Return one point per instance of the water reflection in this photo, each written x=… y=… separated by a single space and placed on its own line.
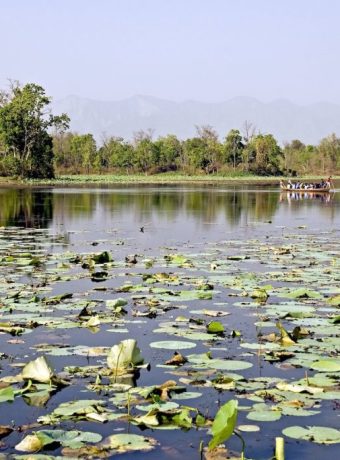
x=25 y=207
x=302 y=196
x=204 y=205
x=39 y=208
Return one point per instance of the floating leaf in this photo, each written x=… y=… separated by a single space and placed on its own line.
x=303 y=293
x=122 y=443
x=113 y=303
x=335 y=301
x=30 y=443
x=215 y=327
x=248 y=428
x=71 y=438
x=318 y=434
x=326 y=365
x=173 y=345
x=264 y=415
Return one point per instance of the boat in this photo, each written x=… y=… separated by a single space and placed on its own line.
x=306 y=190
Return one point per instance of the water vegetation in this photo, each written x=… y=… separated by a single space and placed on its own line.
x=169 y=341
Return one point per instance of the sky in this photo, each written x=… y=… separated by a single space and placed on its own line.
x=206 y=50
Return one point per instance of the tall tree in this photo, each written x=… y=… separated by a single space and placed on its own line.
x=329 y=153
x=170 y=150
x=293 y=153
x=83 y=152
x=116 y=153
x=267 y=154
x=146 y=152
x=24 y=130
x=203 y=151
x=233 y=148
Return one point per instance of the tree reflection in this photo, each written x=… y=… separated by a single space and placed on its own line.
x=37 y=208
x=25 y=207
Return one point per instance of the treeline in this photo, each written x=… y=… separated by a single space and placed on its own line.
x=36 y=144
x=204 y=153
x=260 y=154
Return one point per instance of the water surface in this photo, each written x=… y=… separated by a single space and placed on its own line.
x=205 y=223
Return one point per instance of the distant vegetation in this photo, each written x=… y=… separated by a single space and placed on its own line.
x=35 y=144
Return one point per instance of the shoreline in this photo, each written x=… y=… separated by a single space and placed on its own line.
x=157 y=179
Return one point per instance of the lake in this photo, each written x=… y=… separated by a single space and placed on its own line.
x=241 y=281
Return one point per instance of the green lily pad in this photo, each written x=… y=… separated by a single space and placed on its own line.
x=122 y=443
x=215 y=327
x=173 y=345
x=264 y=415
x=326 y=365
x=318 y=434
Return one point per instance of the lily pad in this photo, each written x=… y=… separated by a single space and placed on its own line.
x=264 y=415
x=122 y=443
x=173 y=345
x=318 y=434
x=326 y=365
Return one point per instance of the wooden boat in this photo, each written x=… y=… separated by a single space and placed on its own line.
x=306 y=190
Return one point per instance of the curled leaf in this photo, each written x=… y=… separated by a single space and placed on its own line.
x=38 y=370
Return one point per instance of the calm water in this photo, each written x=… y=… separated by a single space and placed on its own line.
x=146 y=220
x=168 y=213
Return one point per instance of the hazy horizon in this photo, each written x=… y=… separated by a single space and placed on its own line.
x=184 y=100
x=175 y=50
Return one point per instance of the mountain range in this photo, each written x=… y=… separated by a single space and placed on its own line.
x=282 y=118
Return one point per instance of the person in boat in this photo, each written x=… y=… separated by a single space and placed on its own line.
x=329 y=182
x=282 y=184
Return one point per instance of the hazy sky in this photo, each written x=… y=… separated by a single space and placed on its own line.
x=208 y=50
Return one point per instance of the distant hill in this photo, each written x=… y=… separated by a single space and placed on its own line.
x=284 y=119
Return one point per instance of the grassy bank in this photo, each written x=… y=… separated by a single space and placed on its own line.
x=165 y=178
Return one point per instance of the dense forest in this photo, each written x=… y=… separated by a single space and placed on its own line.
x=36 y=144
x=237 y=153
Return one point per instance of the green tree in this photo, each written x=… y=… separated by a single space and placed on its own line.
x=233 y=148
x=146 y=153
x=292 y=154
x=203 y=151
x=329 y=153
x=83 y=152
x=265 y=154
x=170 y=151
x=116 y=153
x=24 y=130
x=62 y=150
